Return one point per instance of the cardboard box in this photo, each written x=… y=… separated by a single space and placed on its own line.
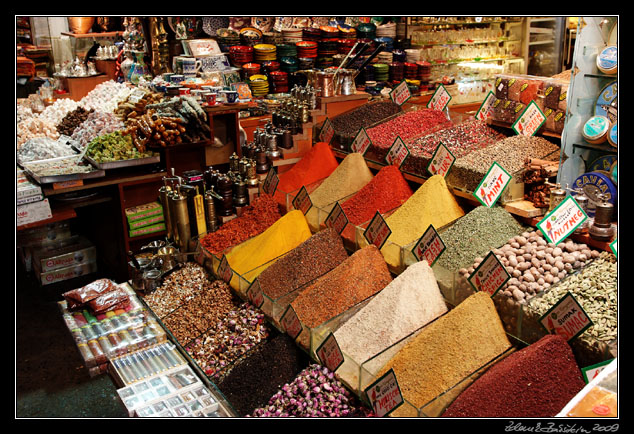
x=136 y=224
x=51 y=232
x=147 y=230
x=33 y=212
x=140 y=212
x=48 y=277
x=53 y=257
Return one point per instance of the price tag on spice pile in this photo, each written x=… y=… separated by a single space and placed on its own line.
x=269 y=186
x=398 y=152
x=329 y=353
x=489 y=276
x=439 y=99
x=566 y=318
x=614 y=247
x=492 y=185
x=337 y=219
x=486 y=108
x=429 y=247
x=327 y=131
x=361 y=142
x=302 y=201
x=385 y=394
x=224 y=270
x=377 y=231
x=254 y=294
x=590 y=372
x=290 y=322
x=562 y=221
x=400 y=94
x=531 y=120
x=441 y=162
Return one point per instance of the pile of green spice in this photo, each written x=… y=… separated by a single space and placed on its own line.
x=448 y=350
x=475 y=234
x=537 y=381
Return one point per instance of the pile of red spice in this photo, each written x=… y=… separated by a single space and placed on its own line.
x=536 y=381
x=316 y=164
x=386 y=191
x=407 y=126
x=254 y=220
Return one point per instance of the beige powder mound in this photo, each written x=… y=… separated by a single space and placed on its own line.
x=448 y=350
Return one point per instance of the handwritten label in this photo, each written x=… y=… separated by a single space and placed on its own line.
x=400 y=94
x=377 y=231
x=302 y=201
x=337 y=219
x=562 y=221
x=492 y=185
x=531 y=120
x=566 y=318
x=486 y=108
x=361 y=142
x=269 y=186
x=398 y=152
x=489 y=276
x=441 y=162
x=254 y=294
x=439 y=99
x=429 y=247
x=385 y=394
x=614 y=248
x=330 y=354
x=290 y=322
x=327 y=131
x=590 y=372
x=224 y=270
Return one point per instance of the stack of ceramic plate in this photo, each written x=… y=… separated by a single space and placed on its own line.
x=424 y=71
x=381 y=72
x=328 y=32
x=386 y=30
x=385 y=57
x=412 y=55
x=327 y=47
x=264 y=52
x=270 y=66
x=279 y=81
x=289 y=64
x=347 y=32
x=396 y=71
x=366 y=30
x=306 y=49
x=249 y=69
x=291 y=35
x=411 y=71
x=398 y=55
x=286 y=50
x=273 y=38
x=345 y=45
x=259 y=85
x=250 y=36
x=227 y=38
x=240 y=54
x=311 y=34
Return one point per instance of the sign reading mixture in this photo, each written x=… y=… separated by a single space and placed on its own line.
x=562 y=221
x=566 y=318
x=385 y=394
x=492 y=185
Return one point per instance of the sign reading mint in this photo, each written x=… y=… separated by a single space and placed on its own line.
x=486 y=108
x=566 y=318
x=562 y=221
x=530 y=121
x=441 y=162
x=361 y=142
x=400 y=94
x=440 y=99
x=492 y=185
x=385 y=394
x=327 y=131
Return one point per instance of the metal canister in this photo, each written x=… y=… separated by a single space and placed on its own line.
x=210 y=211
x=181 y=220
x=601 y=228
x=557 y=195
x=582 y=200
x=164 y=192
x=240 y=198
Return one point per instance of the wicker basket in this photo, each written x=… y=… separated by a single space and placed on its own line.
x=80 y=25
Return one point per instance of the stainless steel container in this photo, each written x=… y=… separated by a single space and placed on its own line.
x=181 y=221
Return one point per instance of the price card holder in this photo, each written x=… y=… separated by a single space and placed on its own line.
x=400 y=94
x=377 y=231
x=329 y=353
x=440 y=99
x=614 y=248
x=562 y=221
x=337 y=219
x=490 y=276
x=398 y=152
x=566 y=318
x=530 y=121
x=429 y=247
x=254 y=294
x=224 y=271
x=385 y=394
x=590 y=372
x=327 y=131
x=269 y=185
x=361 y=142
x=492 y=185
x=486 y=108
x=302 y=201
x=441 y=162
x=291 y=323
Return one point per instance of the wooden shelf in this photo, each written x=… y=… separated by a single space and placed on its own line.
x=93 y=35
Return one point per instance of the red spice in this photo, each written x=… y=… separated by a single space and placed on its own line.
x=407 y=126
x=255 y=219
x=537 y=381
x=386 y=191
x=318 y=163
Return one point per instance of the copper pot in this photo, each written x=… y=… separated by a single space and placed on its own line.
x=80 y=25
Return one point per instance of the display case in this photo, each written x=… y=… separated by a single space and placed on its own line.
x=545 y=45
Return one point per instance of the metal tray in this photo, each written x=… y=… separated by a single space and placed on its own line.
x=45 y=179
x=123 y=163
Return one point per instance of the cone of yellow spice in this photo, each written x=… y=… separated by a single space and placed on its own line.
x=253 y=256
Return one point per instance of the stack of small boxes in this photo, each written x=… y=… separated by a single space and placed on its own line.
x=31 y=204
x=145 y=219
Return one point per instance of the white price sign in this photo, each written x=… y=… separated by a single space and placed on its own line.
x=385 y=394
x=400 y=94
x=562 y=221
x=492 y=185
x=531 y=120
x=486 y=108
x=429 y=247
x=490 y=275
x=327 y=131
x=398 y=152
x=361 y=142
x=441 y=162
x=330 y=354
x=566 y=318
x=439 y=99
